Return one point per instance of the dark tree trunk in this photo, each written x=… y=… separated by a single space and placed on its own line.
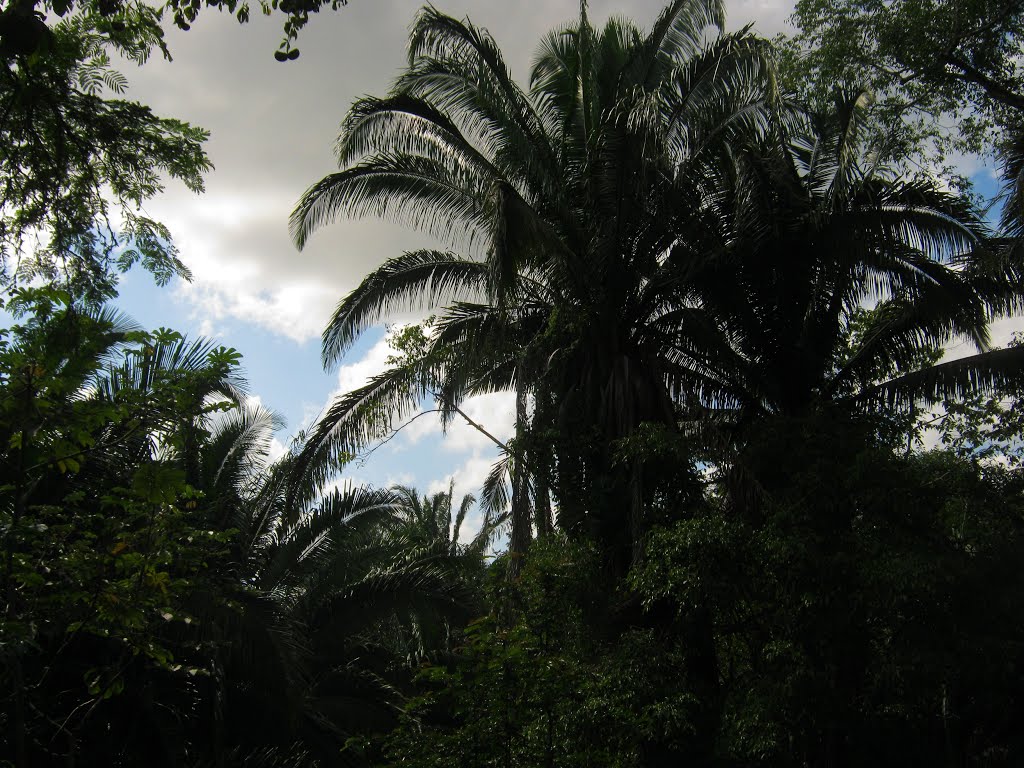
x=519 y=541
x=540 y=459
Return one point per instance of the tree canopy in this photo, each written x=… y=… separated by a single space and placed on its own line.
x=78 y=160
x=752 y=514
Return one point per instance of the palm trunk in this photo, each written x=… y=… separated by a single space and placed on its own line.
x=540 y=459
x=542 y=507
x=18 y=740
x=521 y=524
x=636 y=510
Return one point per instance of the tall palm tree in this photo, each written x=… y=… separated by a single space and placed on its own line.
x=554 y=196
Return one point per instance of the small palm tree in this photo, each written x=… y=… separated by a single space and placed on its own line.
x=428 y=521
x=328 y=600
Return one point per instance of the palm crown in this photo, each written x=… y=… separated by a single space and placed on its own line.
x=650 y=231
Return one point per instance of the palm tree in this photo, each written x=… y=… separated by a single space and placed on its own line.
x=816 y=278
x=428 y=521
x=556 y=198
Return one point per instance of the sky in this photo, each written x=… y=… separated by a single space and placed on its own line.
x=273 y=126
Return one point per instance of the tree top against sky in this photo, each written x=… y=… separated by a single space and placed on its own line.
x=948 y=74
x=134 y=27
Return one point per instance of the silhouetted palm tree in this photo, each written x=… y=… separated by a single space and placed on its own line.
x=557 y=197
x=330 y=597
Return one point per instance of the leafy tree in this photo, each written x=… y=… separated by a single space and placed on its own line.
x=847 y=627
x=537 y=682
x=946 y=74
x=985 y=426
x=74 y=160
x=27 y=26
x=77 y=159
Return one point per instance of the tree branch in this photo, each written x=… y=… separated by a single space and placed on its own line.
x=995 y=89
x=476 y=426
x=393 y=435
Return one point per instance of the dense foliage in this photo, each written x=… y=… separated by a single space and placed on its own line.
x=171 y=592
x=751 y=514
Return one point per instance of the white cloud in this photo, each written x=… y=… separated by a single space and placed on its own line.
x=495 y=412
x=469 y=476
x=283 y=311
x=1003 y=330
x=769 y=16
x=277 y=449
x=1001 y=333
x=423 y=425
x=474 y=452
x=403 y=478
x=355 y=375
x=344 y=482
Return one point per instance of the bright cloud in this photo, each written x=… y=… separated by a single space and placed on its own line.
x=277 y=449
x=355 y=375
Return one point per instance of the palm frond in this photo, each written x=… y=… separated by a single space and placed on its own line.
x=369 y=413
x=467 y=503
x=402 y=124
x=678 y=34
x=341 y=518
x=410 y=189
x=494 y=496
x=415 y=280
x=1012 y=161
x=947 y=381
x=426 y=589
x=237 y=447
